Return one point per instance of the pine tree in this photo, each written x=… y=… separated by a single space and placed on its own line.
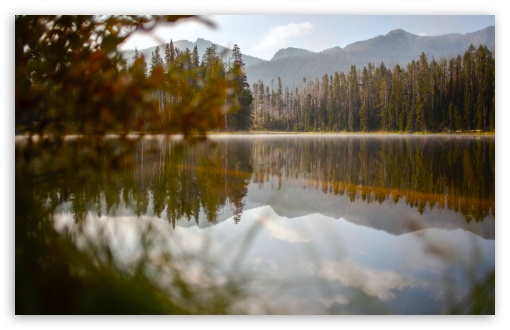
x=422 y=93
x=242 y=119
x=468 y=74
x=352 y=100
x=365 y=95
x=139 y=66
x=156 y=61
x=169 y=53
x=395 y=107
x=323 y=108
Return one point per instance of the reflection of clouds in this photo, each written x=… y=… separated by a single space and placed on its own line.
x=131 y=239
x=338 y=299
x=373 y=282
x=122 y=236
x=259 y=264
x=280 y=232
x=439 y=245
x=277 y=229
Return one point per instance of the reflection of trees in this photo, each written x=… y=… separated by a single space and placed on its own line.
x=453 y=173
x=56 y=275
x=207 y=176
x=179 y=180
x=162 y=176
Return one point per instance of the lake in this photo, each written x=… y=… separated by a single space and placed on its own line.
x=308 y=224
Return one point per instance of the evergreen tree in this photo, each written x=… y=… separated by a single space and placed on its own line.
x=395 y=108
x=242 y=119
x=156 y=62
x=169 y=53
x=352 y=100
x=422 y=94
x=426 y=96
x=364 y=109
x=468 y=75
x=323 y=108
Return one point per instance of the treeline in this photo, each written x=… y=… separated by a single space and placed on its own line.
x=456 y=94
x=185 y=78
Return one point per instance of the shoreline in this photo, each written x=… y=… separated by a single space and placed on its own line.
x=135 y=135
x=264 y=132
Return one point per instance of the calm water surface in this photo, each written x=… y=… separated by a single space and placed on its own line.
x=318 y=224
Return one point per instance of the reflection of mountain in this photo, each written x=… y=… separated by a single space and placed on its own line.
x=396 y=184
x=292 y=200
x=345 y=259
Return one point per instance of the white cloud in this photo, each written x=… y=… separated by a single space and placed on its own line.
x=278 y=231
x=262 y=265
x=423 y=34
x=272 y=223
x=338 y=299
x=276 y=36
x=375 y=283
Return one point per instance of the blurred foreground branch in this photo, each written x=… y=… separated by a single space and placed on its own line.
x=72 y=79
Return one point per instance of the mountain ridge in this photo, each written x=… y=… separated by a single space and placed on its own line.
x=201 y=44
x=396 y=47
x=290 y=52
x=293 y=64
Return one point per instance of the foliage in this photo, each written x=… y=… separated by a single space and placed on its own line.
x=71 y=78
x=445 y=96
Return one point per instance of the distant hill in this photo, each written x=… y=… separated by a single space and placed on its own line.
x=293 y=64
x=396 y=47
x=202 y=44
x=290 y=52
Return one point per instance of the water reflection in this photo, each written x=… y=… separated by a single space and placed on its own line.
x=397 y=184
x=347 y=224
x=309 y=265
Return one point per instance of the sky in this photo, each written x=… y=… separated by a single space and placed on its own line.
x=262 y=35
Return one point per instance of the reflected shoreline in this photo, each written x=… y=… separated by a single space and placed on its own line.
x=354 y=176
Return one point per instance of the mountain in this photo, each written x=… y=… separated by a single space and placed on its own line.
x=290 y=52
x=201 y=44
x=396 y=47
x=294 y=64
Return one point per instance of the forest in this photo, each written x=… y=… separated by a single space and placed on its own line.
x=67 y=85
x=212 y=71
x=449 y=95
